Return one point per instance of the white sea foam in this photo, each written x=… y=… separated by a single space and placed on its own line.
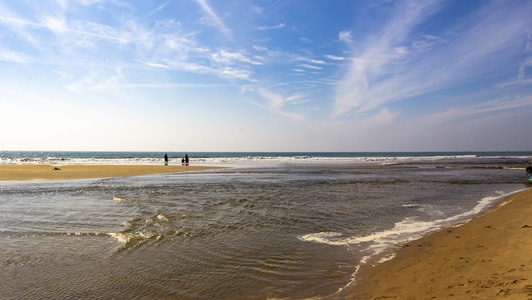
x=380 y=244
x=403 y=231
x=128 y=237
x=227 y=160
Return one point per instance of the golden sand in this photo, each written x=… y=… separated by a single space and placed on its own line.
x=489 y=257
x=47 y=172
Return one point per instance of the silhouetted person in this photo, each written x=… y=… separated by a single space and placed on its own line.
x=529 y=171
x=166 y=159
x=186 y=159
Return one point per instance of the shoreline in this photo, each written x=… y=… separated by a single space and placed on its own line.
x=13 y=173
x=485 y=258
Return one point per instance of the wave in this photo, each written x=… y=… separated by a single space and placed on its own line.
x=221 y=158
x=143 y=230
x=405 y=230
x=381 y=244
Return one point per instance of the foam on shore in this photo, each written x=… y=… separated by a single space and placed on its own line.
x=486 y=258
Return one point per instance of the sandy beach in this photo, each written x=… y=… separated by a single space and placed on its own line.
x=486 y=258
x=49 y=172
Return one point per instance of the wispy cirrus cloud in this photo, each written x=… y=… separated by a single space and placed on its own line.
x=158 y=9
x=213 y=18
x=394 y=66
x=477 y=116
x=162 y=45
x=310 y=66
x=280 y=25
x=228 y=57
x=333 y=57
x=277 y=103
x=345 y=36
x=17 y=57
x=59 y=27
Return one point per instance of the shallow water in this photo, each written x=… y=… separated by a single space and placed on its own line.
x=286 y=230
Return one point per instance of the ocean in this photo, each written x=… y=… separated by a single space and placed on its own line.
x=269 y=226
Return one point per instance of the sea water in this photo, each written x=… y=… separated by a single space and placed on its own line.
x=270 y=225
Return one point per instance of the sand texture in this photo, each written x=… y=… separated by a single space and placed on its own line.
x=47 y=172
x=489 y=257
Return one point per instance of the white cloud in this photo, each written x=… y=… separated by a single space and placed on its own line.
x=60 y=28
x=305 y=40
x=317 y=61
x=213 y=17
x=385 y=71
x=226 y=57
x=155 y=65
x=276 y=104
x=345 y=36
x=158 y=9
x=333 y=57
x=310 y=66
x=234 y=73
x=17 y=57
x=297 y=99
x=260 y=48
x=427 y=42
x=90 y=2
x=169 y=85
x=162 y=46
x=280 y=25
x=465 y=127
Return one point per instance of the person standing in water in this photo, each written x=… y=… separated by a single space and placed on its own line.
x=166 y=159
x=186 y=159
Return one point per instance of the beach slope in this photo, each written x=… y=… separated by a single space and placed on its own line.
x=487 y=258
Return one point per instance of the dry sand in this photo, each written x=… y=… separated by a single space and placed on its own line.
x=47 y=172
x=489 y=257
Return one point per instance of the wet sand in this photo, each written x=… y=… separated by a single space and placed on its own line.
x=487 y=258
x=48 y=172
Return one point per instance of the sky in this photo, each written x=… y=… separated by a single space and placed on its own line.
x=249 y=75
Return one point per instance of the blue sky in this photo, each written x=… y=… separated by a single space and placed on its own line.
x=245 y=75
